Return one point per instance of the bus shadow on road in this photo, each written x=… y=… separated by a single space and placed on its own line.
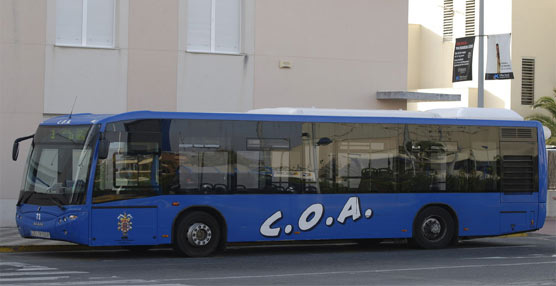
x=281 y=249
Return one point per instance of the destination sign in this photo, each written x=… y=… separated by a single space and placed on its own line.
x=59 y=134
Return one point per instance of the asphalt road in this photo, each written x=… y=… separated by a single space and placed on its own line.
x=527 y=260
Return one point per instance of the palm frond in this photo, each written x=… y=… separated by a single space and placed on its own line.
x=546 y=103
x=549 y=104
x=544 y=120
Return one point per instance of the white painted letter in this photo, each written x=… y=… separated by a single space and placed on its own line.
x=351 y=209
x=317 y=210
x=265 y=227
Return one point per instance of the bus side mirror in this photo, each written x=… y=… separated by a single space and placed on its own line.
x=103 y=146
x=15 y=148
x=15 y=151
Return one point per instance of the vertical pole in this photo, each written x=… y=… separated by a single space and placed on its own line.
x=481 y=95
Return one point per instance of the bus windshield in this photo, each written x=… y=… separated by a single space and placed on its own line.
x=58 y=165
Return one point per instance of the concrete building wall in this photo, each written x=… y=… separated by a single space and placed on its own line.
x=431 y=67
x=468 y=99
x=216 y=82
x=341 y=53
x=534 y=36
x=414 y=56
x=96 y=76
x=153 y=55
x=22 y=40
x=436 y=54
x=528 y=21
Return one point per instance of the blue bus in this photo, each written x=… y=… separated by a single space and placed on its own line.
x=198 y=181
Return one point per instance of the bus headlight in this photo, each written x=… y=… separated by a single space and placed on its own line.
x=72 y=217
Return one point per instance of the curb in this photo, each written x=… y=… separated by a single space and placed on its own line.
x=34 y=248
x=513 y=235
x=28 y=248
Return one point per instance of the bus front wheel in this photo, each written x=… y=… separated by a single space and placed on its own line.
x=198 y=234
x=434 y=227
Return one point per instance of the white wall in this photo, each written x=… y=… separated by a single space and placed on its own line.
x=468 y=99
x=342 y=53
x=534 y=36
x=435 y=56
x=216 y=82
x=98 y=77
x=22 y=39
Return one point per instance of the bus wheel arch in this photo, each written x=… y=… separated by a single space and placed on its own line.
x=435 y=225
x=203 y=213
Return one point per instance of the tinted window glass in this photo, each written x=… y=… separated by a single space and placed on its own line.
x=238 y=157
x=484 y=159
x=355 y=158
x=448 y=159
x=132 y=168
x=153 y=157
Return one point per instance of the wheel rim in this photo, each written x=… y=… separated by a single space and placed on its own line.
x=199 y=234
x=433 y=229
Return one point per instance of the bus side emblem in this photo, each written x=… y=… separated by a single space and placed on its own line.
x=124 y=223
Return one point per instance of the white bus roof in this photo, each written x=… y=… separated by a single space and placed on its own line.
x=454 y=113
x=343 y=112
x=477 y=113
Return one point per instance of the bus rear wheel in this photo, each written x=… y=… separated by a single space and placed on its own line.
x=198 y=234
x=433 y=228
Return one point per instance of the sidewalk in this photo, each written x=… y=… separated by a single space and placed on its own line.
x=10 y=241
x=549 y=227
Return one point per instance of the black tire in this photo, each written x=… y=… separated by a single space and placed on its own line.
x=433 y=228
x=197 y=234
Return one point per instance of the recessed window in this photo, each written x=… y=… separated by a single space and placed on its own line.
x=87 y=23
x=527 y=81
x=448 y=20
x=214 y=26
x=469 y=18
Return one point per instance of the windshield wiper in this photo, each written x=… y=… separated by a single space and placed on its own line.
x=58 y=202
x=25 y=197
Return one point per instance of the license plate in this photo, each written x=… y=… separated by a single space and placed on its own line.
x=41 y=234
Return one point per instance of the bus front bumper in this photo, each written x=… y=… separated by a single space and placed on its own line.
x=47 y=222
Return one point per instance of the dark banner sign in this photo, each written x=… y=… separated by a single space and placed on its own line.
x=463 y=59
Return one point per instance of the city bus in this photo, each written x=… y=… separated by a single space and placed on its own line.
x=199 y=181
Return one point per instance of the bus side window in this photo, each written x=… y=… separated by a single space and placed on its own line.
x=131 y=169
x=359 y=158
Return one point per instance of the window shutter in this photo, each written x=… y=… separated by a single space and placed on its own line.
x=227 y=29
x=469 y=18
x=527 y=81
x=100 y=23
x=448 y=27
x=199 y=17
x=69 y=20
